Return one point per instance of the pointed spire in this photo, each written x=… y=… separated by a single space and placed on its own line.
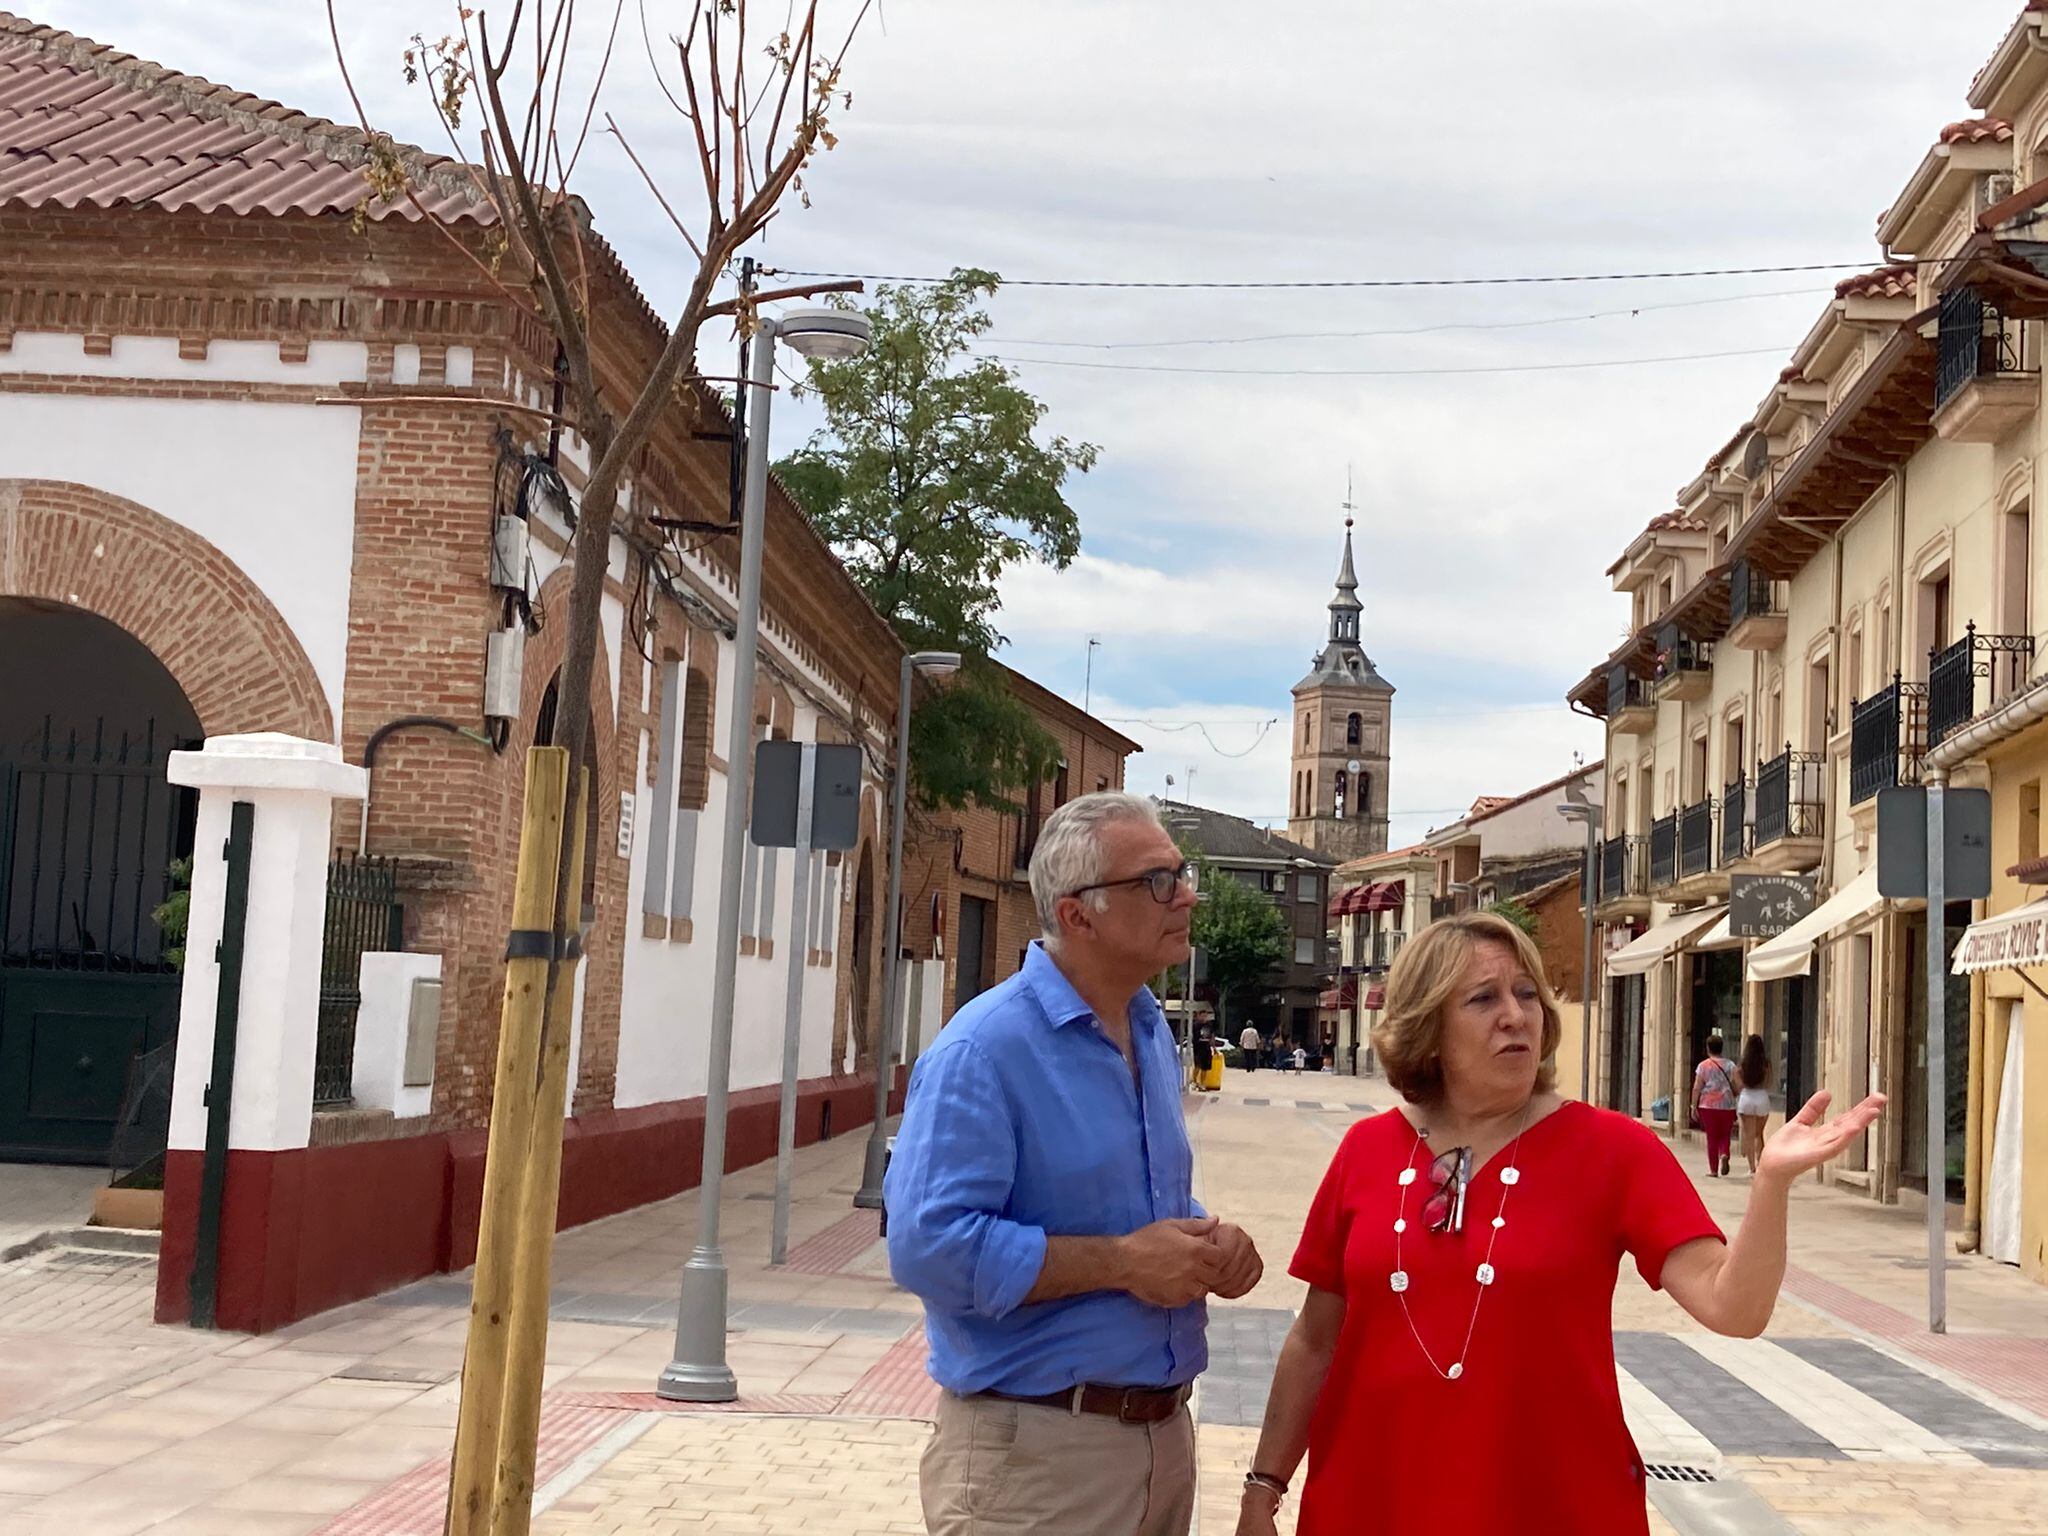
x=1345 y=606
x=1347 y=576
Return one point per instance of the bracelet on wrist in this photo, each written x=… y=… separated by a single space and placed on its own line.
x=1268 y=1483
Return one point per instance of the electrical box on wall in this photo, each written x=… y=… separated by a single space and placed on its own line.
x=504 y=666
x=422 y=1029
x=509 y=540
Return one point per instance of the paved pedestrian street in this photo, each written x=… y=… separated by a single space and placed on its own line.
x=1846 y=1417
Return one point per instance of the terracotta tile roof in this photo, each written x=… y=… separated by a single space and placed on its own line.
x=82 y=124
x=1978 y=130
x=1683 y=522
x=1486 y=804
x=1893 y=282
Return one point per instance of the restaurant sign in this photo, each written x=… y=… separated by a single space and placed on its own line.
x=1764 y=906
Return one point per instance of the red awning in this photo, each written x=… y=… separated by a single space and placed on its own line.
x=1343 y=995
x=1375 y=997
x=1385 y=898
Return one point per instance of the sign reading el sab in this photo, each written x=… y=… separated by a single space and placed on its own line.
x=1764 y=906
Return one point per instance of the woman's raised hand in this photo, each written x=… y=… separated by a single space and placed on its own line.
x=1808 y=1140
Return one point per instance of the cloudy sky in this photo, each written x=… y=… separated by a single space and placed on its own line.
x=1496 y=476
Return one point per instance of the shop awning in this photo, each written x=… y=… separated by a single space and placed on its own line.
x=1718 y=937
x=1343 y=995
x=1375 y=997
x=1645 y=950
x=1791 y=952
x=2010 y=941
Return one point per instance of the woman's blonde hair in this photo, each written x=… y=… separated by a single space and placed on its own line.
x=1420 y=985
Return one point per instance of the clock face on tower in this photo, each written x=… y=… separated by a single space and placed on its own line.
x=1342 y=710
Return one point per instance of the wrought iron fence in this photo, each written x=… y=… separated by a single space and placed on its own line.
x=1884 y=738
x=1749 y=593
x=1664 y=850
x=2003 y=661
x=1734 y=813
x=1624 y=690
x=89 y=832
x=1696 y=839
x=1679 y=653
x=1621 y=868
x=1973 y=340
x=363 y=914
x=1788 y=797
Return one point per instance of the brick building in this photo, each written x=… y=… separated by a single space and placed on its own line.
x=967 y=898
x=268 y=466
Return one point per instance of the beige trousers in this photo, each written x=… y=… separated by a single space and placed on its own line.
x=994 y=1468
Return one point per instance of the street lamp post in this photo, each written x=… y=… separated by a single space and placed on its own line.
x=698 y=1373
x=934 y=663
x=1585 y=812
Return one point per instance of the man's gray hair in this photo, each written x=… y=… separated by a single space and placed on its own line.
x=1069 y=852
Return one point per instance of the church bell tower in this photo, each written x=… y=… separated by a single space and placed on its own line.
x=1343 y=721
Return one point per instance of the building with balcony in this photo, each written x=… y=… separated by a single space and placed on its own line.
x=1845 y=598
x=1376 y=904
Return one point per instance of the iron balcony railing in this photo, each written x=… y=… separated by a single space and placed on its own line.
x=1884 y=738
x=1623 y=868
x=1974 y=341
x=1664 y=850
x=1734 y=815
x=1624 y=690
x=1788 y=797
x=1749 y=593
x=1386 y=945
x=1678 y=652
x=2003 y=661
x=1696 y=839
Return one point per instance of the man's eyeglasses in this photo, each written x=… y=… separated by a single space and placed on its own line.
x=1164 y=884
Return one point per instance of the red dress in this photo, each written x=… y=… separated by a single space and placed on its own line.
x=1531 y=1437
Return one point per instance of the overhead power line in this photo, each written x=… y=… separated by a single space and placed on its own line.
x=1240 y=285
x=1381 y=373
x=1414 y=330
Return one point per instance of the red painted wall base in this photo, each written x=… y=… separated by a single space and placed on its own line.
x=315 y=1227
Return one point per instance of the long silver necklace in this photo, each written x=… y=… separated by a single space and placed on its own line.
x=1510 y=1176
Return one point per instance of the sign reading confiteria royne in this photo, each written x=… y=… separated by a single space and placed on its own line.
x=2017 y=939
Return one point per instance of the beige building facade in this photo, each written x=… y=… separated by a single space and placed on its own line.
x=1846 y=598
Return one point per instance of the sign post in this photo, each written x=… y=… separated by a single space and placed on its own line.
x=806 y=798
x=1935 y=842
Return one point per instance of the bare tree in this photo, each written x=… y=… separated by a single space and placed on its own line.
x=757 y=104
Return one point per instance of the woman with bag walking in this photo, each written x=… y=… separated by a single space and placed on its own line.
x=1713 y=1104
x=1753 y=1104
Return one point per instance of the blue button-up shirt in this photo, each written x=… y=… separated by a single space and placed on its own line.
x=1024 y=1122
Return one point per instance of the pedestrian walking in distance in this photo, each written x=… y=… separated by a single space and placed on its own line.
x=1714 y=1097
x=1753 y=1104
x=1300 y=1057
x=1419 y=1409
x=1248 y=1041
x=1040 y=1204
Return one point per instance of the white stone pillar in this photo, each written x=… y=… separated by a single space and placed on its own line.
x=293 y=785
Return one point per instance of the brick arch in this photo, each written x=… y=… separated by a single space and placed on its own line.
x=224 y=642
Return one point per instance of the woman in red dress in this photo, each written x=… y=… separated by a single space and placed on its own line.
x=1452 y=1369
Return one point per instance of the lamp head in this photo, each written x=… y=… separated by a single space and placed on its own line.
x=824 y=335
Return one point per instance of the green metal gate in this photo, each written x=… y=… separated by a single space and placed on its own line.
x=89 y=830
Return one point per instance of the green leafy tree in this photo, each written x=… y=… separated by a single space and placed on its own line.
x=1243 y=934
x=931 y=478
x=1517 y=914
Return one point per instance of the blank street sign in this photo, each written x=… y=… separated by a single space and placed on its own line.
x=1902 y=843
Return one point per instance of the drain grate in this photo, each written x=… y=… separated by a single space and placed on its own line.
x=1675 y=1472
x=405 y=1375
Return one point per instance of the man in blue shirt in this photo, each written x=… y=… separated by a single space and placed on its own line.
x=1040 y=1204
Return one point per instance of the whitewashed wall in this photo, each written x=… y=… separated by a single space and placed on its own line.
x=272 y=486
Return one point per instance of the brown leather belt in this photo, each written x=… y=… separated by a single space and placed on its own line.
x=1129 y=1405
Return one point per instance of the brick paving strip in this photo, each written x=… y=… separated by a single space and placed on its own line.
x=2009 y=1367
x=837 y=1246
